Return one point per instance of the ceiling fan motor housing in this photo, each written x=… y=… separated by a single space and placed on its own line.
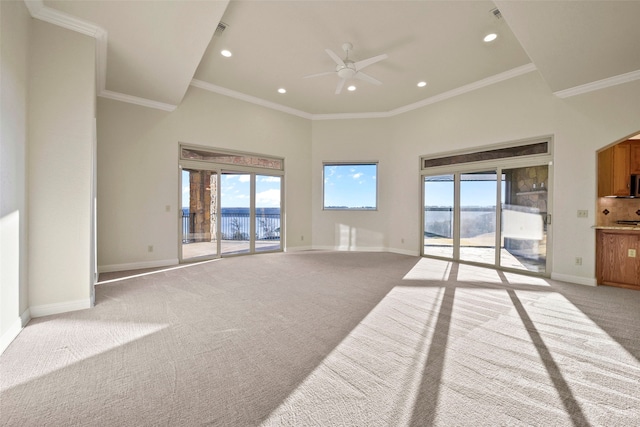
x=346 y=71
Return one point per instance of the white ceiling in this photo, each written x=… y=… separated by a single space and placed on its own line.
x=156 y=48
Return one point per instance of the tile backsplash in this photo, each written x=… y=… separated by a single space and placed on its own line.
x=619 y=209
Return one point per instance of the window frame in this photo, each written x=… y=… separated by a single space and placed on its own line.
x=325 y=164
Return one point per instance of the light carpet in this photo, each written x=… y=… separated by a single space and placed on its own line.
x=330 y=339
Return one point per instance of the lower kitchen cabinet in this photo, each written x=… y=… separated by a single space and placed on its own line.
x=618 y=258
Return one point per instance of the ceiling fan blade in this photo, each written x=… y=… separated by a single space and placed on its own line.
x=366 y=62
x=326 y=73
x=340 y=85
x=335 y=57
x=367 y=78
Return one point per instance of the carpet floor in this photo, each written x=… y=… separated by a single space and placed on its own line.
x=330 y=339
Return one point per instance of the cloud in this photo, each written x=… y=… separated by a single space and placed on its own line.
x=244 y=178
x=270 y=179
x=185 y=189
x=268 y=198
x=357 y=175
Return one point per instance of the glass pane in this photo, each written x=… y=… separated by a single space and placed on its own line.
x=438 y=215
x=235 y=221
x=478 y=194
x=524 y=208
x=267 y=213
x=199 y=204
x=350 y=186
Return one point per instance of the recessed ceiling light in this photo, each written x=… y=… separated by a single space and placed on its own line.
x=490 y=37
x=351 y=88
x=422 y=84
x=282 y=90
x=226 y=53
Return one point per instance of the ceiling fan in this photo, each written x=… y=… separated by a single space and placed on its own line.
x=347 y=69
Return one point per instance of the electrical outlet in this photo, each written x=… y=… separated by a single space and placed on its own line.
x=631 y=253
x=167 y=208
x=301 y=238
x=578 y=260
x=583 y=214
x=402 y=240
x=150 y=248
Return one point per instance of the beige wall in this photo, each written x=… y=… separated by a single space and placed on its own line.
x=352 y=141
x=61 y=116
x=14 y=48
x=138 y=170
x=516 y=109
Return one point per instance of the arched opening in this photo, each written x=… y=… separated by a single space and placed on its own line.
x=618 y=214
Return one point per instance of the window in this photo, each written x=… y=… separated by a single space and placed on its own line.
x=350 y=186
x=231 y=203
x=489 y=207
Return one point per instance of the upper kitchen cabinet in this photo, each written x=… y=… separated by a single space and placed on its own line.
x=614 y=171
x=635 y=157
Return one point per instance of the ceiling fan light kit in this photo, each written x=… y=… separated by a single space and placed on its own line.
x=346 y=69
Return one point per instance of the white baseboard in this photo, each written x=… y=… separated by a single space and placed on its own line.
x=349 y=249
x=10 y=335
x=297 y=248
x=365 y=249
x=403 y=252
x=574 y=279
x=62 y=307
x=137 y=265
x=25 y=317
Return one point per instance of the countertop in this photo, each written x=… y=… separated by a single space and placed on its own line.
x=617 y=227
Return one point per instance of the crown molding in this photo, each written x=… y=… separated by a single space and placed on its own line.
x=249 y=98
x=497 y=78
x=137 y=100
x=515 y=72
x=600 y=84
x=38 y=10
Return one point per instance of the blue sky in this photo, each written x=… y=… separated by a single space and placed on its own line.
x=236 y=190
x=472 y=193
x=350 y=185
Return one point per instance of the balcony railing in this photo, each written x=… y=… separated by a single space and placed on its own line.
x=236 y=226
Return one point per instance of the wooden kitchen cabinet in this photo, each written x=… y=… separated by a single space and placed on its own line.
x=634 y=153
x=615 y=265
x=614 y=170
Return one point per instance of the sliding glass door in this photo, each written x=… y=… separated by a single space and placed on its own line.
x=231 y=203
x=438 y=220
x=494 y=217
x=268 y=196
x=235 y=206
x=525 y=218
x=198 y=221
x=478 y=195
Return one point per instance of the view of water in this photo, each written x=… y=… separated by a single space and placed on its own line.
x=235 y=223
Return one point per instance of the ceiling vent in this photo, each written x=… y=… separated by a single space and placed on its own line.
x=496 y=13
x=221 y=27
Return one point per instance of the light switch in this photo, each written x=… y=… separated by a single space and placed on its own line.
x=583 y=214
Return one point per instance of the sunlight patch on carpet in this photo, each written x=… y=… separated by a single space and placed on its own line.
x=72 y=340
x=378 y=365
